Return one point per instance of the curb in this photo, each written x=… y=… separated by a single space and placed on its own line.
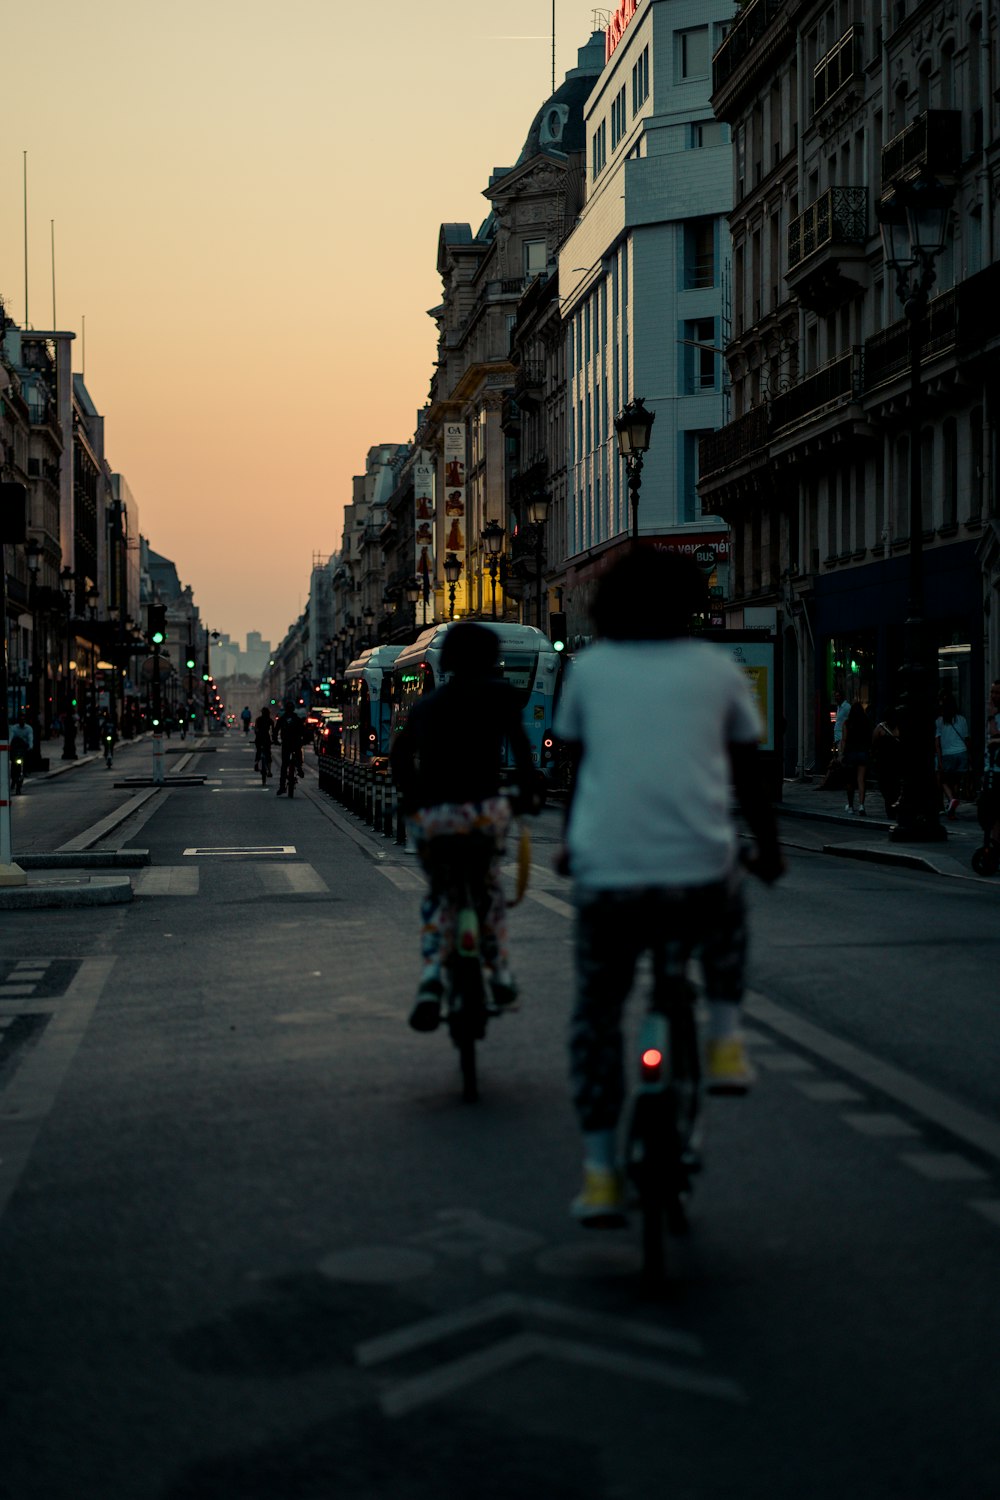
x=108 y=890
x=96 y=859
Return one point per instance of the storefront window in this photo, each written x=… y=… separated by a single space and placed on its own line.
x=954 y=661
x=851 y=668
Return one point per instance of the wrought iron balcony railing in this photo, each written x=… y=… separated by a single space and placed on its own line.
x=888 y=353
x=745 y=32
x=734 y=443
x=839 y=381
x=838 y=217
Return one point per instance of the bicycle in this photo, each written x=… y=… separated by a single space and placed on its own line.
x=458 y=866
x=661 y=1155
x=265 y=767
x=16 y=773
x=291 y=776
x=109 y=751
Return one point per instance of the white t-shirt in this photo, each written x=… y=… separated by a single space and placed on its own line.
x=954 y=737
x=652 y=801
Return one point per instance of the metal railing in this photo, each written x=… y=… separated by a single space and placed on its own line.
x=839 y=216
x=838 y=67
x=366 y=790
x=745 y=33
x=737 y=441
x=888 y=353
x=838 y=382
x=931 y=143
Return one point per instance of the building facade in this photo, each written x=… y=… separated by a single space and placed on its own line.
x=643 y=278
x=833 y=106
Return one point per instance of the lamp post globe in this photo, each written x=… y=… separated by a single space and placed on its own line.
x=633 y=429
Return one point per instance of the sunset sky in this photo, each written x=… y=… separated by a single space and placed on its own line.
x=246 y=201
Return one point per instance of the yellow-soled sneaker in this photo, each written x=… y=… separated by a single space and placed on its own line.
x=727 y=1067
x=601 y=1202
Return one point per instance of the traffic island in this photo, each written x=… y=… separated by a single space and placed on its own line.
x=75 y=888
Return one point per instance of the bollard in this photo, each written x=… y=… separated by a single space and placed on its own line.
x=378 y=805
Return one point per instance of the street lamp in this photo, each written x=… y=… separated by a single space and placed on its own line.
x=452 y=573
x=33 y=556
x=537 y=510
x=492 y=539
x=913 y=221
x=368 y=617
x=633 y=429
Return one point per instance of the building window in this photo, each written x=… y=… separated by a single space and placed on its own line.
x=709 y=133
x=534 y=257
x=699 y=356
x=699 y=253
x=690 y=505
x=640 y=81
x=691 y=53
x=599 y=148
x=618 y=117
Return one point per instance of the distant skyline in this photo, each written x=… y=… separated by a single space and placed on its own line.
x=246 y=209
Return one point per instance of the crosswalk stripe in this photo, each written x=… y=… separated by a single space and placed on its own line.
x=295 y=880
x=167 y=880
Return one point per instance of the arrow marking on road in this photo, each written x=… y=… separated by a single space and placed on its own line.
x=455 y=1375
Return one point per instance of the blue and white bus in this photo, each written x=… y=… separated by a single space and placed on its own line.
x=368 y=703
x=528 y=661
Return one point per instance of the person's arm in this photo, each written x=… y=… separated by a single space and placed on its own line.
x=767 y=862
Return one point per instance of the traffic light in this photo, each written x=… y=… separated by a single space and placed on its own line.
x=157 y=624
x=189 y=662
x=557 y=630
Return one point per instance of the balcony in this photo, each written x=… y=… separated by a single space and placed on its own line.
x=738 y=442
x=836 y=384
x=887 y=354
x=840 y=66
x=826 y=249
x=529 y=378
x=745 y=33
x=930 y=146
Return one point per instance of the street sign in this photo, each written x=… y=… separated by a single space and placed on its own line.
x=706 y=559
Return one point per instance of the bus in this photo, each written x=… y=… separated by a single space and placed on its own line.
x=368 y=703
x=528 y=661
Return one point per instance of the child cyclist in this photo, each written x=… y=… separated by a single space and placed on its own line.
x=446 y=761
x=659 y=726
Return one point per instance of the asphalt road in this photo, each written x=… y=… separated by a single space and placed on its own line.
x=252 y=1244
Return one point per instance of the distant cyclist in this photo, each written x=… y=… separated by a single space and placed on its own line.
x=447 y=763
x=21 y=741
x=289 y=731
x=247 y=718
x=659 y=725
x=263 y=729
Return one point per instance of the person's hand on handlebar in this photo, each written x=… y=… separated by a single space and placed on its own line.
x=767 y=864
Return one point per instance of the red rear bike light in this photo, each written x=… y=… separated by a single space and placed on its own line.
x=652 y=1058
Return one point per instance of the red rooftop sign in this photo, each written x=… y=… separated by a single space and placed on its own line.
x=614 y=33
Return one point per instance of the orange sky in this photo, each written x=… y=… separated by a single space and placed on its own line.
x=246 y=212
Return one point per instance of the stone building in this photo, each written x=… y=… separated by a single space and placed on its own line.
x=832 y=106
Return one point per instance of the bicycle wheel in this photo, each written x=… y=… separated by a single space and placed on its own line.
x=466 y=1019
x=647 y=1158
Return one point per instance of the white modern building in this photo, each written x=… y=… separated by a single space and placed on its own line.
x=644 y=277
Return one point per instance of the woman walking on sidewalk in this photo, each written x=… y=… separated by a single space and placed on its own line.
x=952 y=747
x=855 y=747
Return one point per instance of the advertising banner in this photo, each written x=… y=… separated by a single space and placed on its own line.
x=756 y=659
x=454 y=490
x=423 y=522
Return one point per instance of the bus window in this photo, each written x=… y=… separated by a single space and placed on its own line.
x=518 y=668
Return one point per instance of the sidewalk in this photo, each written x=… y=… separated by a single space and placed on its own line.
x=817 y=820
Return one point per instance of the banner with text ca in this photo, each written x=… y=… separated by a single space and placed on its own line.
x=423 y=522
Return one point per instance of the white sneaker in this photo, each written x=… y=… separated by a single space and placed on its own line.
x=861 y=811
x=848 y=807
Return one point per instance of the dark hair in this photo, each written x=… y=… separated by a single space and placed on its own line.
x=470 y=650
x=649 y=595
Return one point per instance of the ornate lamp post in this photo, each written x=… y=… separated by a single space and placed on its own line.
x=492 y=539
x=914 y=226
x=537 y=511
x=633 y=429
x=412 y=589
x=452 y=573
x=368 y=619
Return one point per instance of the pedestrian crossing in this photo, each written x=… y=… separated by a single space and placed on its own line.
x=261 y=877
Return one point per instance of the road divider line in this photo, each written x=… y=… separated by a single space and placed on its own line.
x=96 y=831
x=959 y=1120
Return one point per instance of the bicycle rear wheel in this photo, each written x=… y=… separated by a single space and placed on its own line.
x=467 y=1019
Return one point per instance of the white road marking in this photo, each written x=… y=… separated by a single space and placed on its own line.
x=291 y=880
x=552 y=903
x=404 y=880
x=28 y=1099
x=879 y=1124
x=784 y=1062
x=32 y=963
x=230 y=849
x=828 y=1093
x=959 y=1120
x=988 y=1207
x=15 y=991
x=167 y=880
x=944 y=1166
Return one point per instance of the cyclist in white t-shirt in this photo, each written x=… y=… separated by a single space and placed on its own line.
x=659 y=727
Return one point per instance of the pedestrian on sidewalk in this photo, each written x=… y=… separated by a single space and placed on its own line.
x=885 y=760
x=841 y=708
x=951 y=746
x=855 y=748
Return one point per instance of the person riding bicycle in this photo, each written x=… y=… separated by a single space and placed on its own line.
x=21 y=741
x=658 y=726
x=446 y=762
x=263 y=728
x=108 y=732
x=289 y=731
x=247 y=717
